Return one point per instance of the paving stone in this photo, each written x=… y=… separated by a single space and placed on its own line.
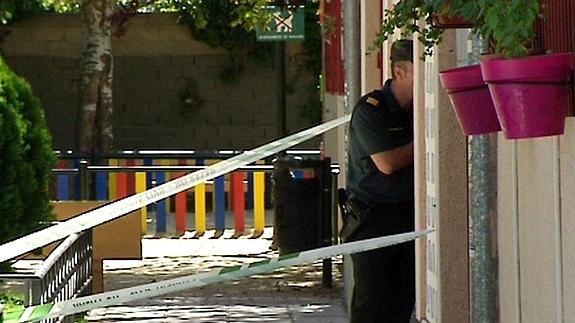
x=291 y=294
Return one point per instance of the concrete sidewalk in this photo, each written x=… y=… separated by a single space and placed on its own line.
x=225 y=309
x=292 y=294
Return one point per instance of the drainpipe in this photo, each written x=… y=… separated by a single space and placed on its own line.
x=483 y=191
x=352 y=58
x=352 y=64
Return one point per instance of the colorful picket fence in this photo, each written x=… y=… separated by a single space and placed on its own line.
x=235 y=192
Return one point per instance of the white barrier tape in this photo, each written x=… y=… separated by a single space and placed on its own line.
x=82 y=304
x=114 y=210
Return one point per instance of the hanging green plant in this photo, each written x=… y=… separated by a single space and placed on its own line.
x=405 y=16
x=506 y=24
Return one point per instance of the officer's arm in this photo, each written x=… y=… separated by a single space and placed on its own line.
x=390 y=161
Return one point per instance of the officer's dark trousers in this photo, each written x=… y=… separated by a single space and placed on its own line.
x=384 y=279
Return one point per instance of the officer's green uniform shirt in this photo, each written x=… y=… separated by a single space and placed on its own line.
x=378 y=124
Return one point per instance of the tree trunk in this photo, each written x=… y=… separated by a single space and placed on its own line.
x=95 y=111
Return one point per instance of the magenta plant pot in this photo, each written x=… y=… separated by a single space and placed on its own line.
x=530 y=94
x=470 y=99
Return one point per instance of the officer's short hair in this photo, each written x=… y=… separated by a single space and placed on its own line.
x=401 y=51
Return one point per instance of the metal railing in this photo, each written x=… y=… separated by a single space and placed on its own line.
x=92 y=183
x=328 y=217
x=64 y=275
x=168 y=154
x=78 y=165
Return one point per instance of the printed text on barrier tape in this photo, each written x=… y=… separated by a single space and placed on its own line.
x=82 y=304
x=124 y=206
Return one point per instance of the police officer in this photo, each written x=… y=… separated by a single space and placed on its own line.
x=380 y=176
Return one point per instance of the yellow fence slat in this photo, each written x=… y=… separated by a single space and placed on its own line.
x=200 y=208
x=140 y=187
x=259 y=206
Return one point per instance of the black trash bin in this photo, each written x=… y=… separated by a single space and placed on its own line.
x=299 y=218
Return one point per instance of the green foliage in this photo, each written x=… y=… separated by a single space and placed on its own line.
x=218 y=24
x=26 y=158
x=251 y=14
x=12 y=301
x=14 y=10
x=509 y=24
x=506 y=23
x=405 y=16
x=61 y=6
x=227 y=24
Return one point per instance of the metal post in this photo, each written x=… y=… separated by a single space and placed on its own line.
x=334 y=206
x=483 y=211
x=35 y=292
x=84 y=180
x=281 y=88
x=559 y=282
x=325 y=224
x=89 y=236
x=352 y=61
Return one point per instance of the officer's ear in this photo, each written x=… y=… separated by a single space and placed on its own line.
x=400 y=70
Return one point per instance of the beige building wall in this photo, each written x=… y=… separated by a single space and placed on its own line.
x=371 y=58
x=447 y=287
x=535 y=225
x=420 y=180
x=535 y=211
x=334 y=140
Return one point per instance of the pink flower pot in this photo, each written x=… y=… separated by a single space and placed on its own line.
x=530 y=94
x=470 y=99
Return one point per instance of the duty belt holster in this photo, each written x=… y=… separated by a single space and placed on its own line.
x=355 y=215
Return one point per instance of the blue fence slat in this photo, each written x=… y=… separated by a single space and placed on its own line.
x=160 y=206
x=220 y=197
x=101 y=186
x=76 y=180
x=298 y=174
x=250 y=191
x=149 y=175
x=149 y=179
x=63 y=193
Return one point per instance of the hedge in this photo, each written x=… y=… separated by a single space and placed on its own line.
x=26 y=158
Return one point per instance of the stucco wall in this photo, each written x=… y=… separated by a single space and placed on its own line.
x=447 y=286
x=535 y=228
x=152 y=62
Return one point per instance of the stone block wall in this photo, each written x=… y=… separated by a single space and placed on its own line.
x=152 y=62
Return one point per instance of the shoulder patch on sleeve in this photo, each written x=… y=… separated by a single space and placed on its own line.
x=373 y=101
